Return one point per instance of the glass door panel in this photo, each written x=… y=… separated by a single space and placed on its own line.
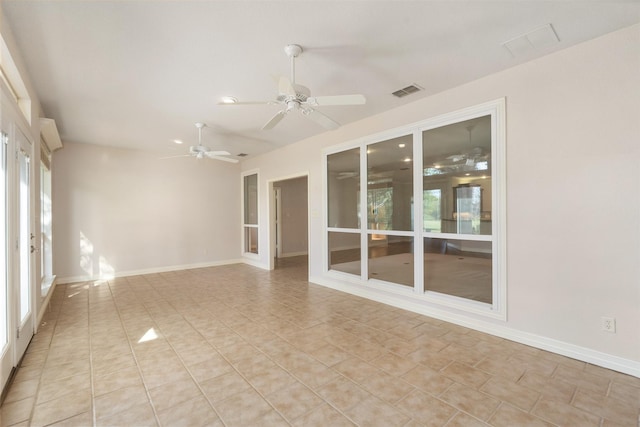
x=25 y=236
x=26 y=247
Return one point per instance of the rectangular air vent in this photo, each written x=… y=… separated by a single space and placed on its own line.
x=407 y=90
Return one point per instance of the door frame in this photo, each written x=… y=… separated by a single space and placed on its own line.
x=271 y=200
x=16 y=128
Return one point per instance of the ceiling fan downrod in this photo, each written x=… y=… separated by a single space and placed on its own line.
x=292 y=51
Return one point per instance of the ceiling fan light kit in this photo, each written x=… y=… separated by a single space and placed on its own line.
x=292 y=96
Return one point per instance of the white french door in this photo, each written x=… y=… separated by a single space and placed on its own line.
x=26 y=246
x=17 y=248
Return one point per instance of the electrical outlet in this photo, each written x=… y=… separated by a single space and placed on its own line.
x=609 y=324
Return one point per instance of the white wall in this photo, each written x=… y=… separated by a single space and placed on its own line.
x=119 y=211
x=573 y=196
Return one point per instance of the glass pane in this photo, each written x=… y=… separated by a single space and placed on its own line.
x=45 y=221
x=24 y=234
x=391 y=259
x=343 y=188
x=432 y=208
x=251 y=240
x=251 y=199
x=458 y=267
x=344 y=252
x=457 y=177
x=4 y=321
x=390 y=184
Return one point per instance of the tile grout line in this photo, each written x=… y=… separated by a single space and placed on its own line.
x=146 y=390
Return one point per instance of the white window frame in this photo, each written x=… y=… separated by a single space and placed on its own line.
x=498 y=308
x=245 y=226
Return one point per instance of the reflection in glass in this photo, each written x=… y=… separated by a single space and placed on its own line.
x=457 y=178
x=343 y=187
x=390 y=184
x=344 y=252
x=251 y=240
x=460 y=268
x=391 y=259
x=251 y=199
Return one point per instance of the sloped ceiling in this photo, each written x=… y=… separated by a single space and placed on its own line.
x=139 y=74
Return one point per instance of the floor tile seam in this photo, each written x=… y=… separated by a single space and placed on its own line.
x=197 y=383
x=35 y=396
x=264 y=397
x=135 y=358
x=533 y=413
x=601 y=416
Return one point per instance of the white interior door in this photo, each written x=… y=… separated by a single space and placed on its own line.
x=26 y=246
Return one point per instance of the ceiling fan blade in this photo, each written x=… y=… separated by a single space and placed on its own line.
x=246 y=103
x=285 y=87
x=173 y=157
x=321 y=119
x=224 y=159
x=355 y=99
x=218 y=153
x=274 y=120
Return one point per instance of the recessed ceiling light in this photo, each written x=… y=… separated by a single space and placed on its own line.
x=177 y=141
x=408 y=159
x=436 y=166
x=402 y=145
x=229 y=100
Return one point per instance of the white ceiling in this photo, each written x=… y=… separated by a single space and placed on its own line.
x=139 y=74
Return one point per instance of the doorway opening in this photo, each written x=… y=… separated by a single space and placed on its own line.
x=290 y=223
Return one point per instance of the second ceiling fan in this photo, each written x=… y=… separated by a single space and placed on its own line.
x=293 y=96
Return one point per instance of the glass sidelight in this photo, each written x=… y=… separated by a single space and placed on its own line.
x=250 y=211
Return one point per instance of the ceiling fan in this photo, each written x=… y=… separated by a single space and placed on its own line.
x=201 y=151
x=293 y=96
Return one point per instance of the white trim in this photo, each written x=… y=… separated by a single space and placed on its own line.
x=496 y=110
x=270 y=247
x=410 y=303
x=86 y=278
x=256 y=264
x=45 y=303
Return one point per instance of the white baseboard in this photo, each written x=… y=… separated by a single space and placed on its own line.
x=45 y=304
x=605 y=360
x=87 y=278
x=255 y=263
x=292 y=254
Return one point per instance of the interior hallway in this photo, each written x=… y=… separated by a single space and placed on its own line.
x=240 y=346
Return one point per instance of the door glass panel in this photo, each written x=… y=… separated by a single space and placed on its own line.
x=344 y=252
x=24 y=237
x=457 y=162
x=391 y=259
x=460 y=268
x=390 y=184
x=343 y=187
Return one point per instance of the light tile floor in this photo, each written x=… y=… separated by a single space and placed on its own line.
x=239 y=346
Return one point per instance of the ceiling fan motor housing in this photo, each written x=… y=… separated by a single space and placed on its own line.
x=198 y=149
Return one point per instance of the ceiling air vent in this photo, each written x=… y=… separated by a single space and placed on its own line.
x=242 y=155
x=407 y=90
